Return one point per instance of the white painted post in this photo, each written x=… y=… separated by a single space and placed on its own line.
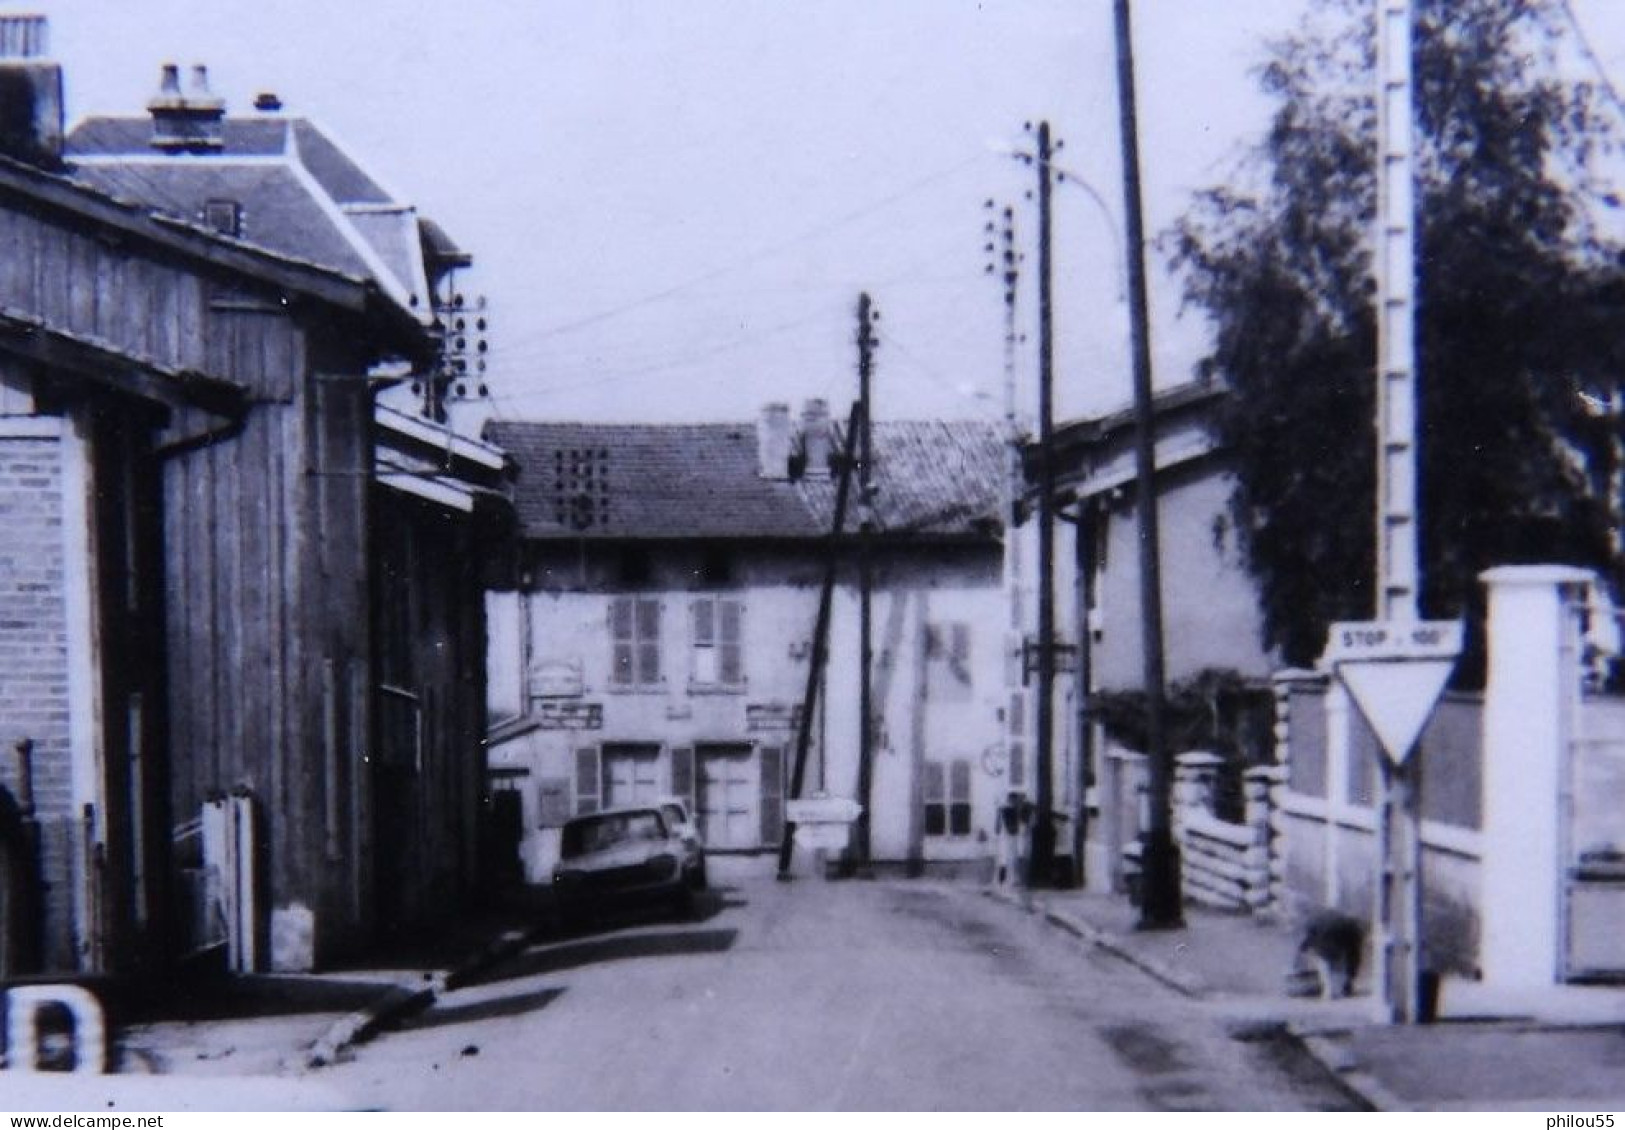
x=1530 y=697
x=23 y=1006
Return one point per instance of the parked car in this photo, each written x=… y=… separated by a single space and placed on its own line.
x=619 y=858
x=678 y=819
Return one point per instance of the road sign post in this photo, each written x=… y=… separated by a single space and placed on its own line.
x=1395 y=671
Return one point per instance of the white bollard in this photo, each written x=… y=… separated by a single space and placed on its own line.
x=23 y=1006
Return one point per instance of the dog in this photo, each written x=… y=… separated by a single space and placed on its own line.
x=1329 y=954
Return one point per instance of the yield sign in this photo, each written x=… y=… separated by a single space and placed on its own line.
x=1395 y=672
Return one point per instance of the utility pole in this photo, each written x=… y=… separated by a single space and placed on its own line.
x=1161 y=893
x=866 y=346
x=820 y=640
x=1041 y=862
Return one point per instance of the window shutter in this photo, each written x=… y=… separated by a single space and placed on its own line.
x=620 y=634
x=682 y=777
x=588 y=789
x=553 y=801
x=772 y=795
x=732 y=633
x=648 y=631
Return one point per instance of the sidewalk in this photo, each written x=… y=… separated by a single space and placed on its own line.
x=1549 y=1051
x=289 y=1024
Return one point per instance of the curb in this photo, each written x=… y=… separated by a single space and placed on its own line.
x=409 y=997
x=1337 y=1061
x=1343 y=1067
x=1181 y=982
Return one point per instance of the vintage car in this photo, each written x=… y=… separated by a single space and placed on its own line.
x=624 y=857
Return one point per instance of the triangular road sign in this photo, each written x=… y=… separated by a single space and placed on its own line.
x=1397 y=697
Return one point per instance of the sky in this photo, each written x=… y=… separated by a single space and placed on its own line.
x=674 y=206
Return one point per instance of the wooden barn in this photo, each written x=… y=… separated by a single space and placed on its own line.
x=201 y=646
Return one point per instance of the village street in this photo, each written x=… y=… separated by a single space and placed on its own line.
x=815 y=995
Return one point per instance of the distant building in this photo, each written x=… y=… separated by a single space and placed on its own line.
x=653 y=630
x=1212 y=618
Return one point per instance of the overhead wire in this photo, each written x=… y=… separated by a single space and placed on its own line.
x=814 y=232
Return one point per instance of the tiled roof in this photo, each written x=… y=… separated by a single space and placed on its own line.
x=663 y=481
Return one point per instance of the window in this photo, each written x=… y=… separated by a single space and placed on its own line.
x=947 y=657
x=224 y=216
x=947 y=797
x=634 y=629
x=718 y=634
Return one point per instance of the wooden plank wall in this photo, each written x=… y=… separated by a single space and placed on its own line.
x=77 y=283
x=432 y=644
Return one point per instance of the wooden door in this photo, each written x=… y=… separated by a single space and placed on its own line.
x=730 y=793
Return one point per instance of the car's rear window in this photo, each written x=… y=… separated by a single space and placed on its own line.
x=596 y=833
x=673 y=813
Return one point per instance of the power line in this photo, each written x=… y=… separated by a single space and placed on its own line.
x=804 y=236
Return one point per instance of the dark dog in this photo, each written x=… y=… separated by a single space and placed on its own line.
x=1330 y=951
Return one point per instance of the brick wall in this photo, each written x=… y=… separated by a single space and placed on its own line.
x=33 y=660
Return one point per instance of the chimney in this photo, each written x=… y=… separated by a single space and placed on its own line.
x=817 y=439
x=187 y=123
x=30 y=93
x=773 y=442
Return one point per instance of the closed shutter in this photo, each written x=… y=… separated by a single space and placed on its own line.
x=648 y=632
x=682 y=777
x=620 y=634
x=552 y=801
x=732 y=641
x=772 y=794
x=1018 y=747
x=589 y=790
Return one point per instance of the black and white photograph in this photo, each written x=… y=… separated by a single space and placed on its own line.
x=839 y=555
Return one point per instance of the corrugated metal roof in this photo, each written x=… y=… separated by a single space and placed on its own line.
x=673 y=481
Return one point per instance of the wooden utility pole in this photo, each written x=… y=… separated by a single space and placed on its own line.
x=1161 y=893
x=1041 y=861
x=866 y=493
x=820 y=641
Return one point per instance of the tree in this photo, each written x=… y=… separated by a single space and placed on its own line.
x=1520 y=343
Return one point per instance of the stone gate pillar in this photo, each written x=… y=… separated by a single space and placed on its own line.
x=1530 y=698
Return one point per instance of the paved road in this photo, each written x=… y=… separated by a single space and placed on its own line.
x=811 y=996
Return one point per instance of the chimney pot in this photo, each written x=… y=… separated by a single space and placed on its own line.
x=817 y=439
x=266 y=102
x=30 y=93
x=22 y=37
x=773 y=442
x=187 y=122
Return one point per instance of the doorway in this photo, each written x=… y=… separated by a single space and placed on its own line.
x=730 y=790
